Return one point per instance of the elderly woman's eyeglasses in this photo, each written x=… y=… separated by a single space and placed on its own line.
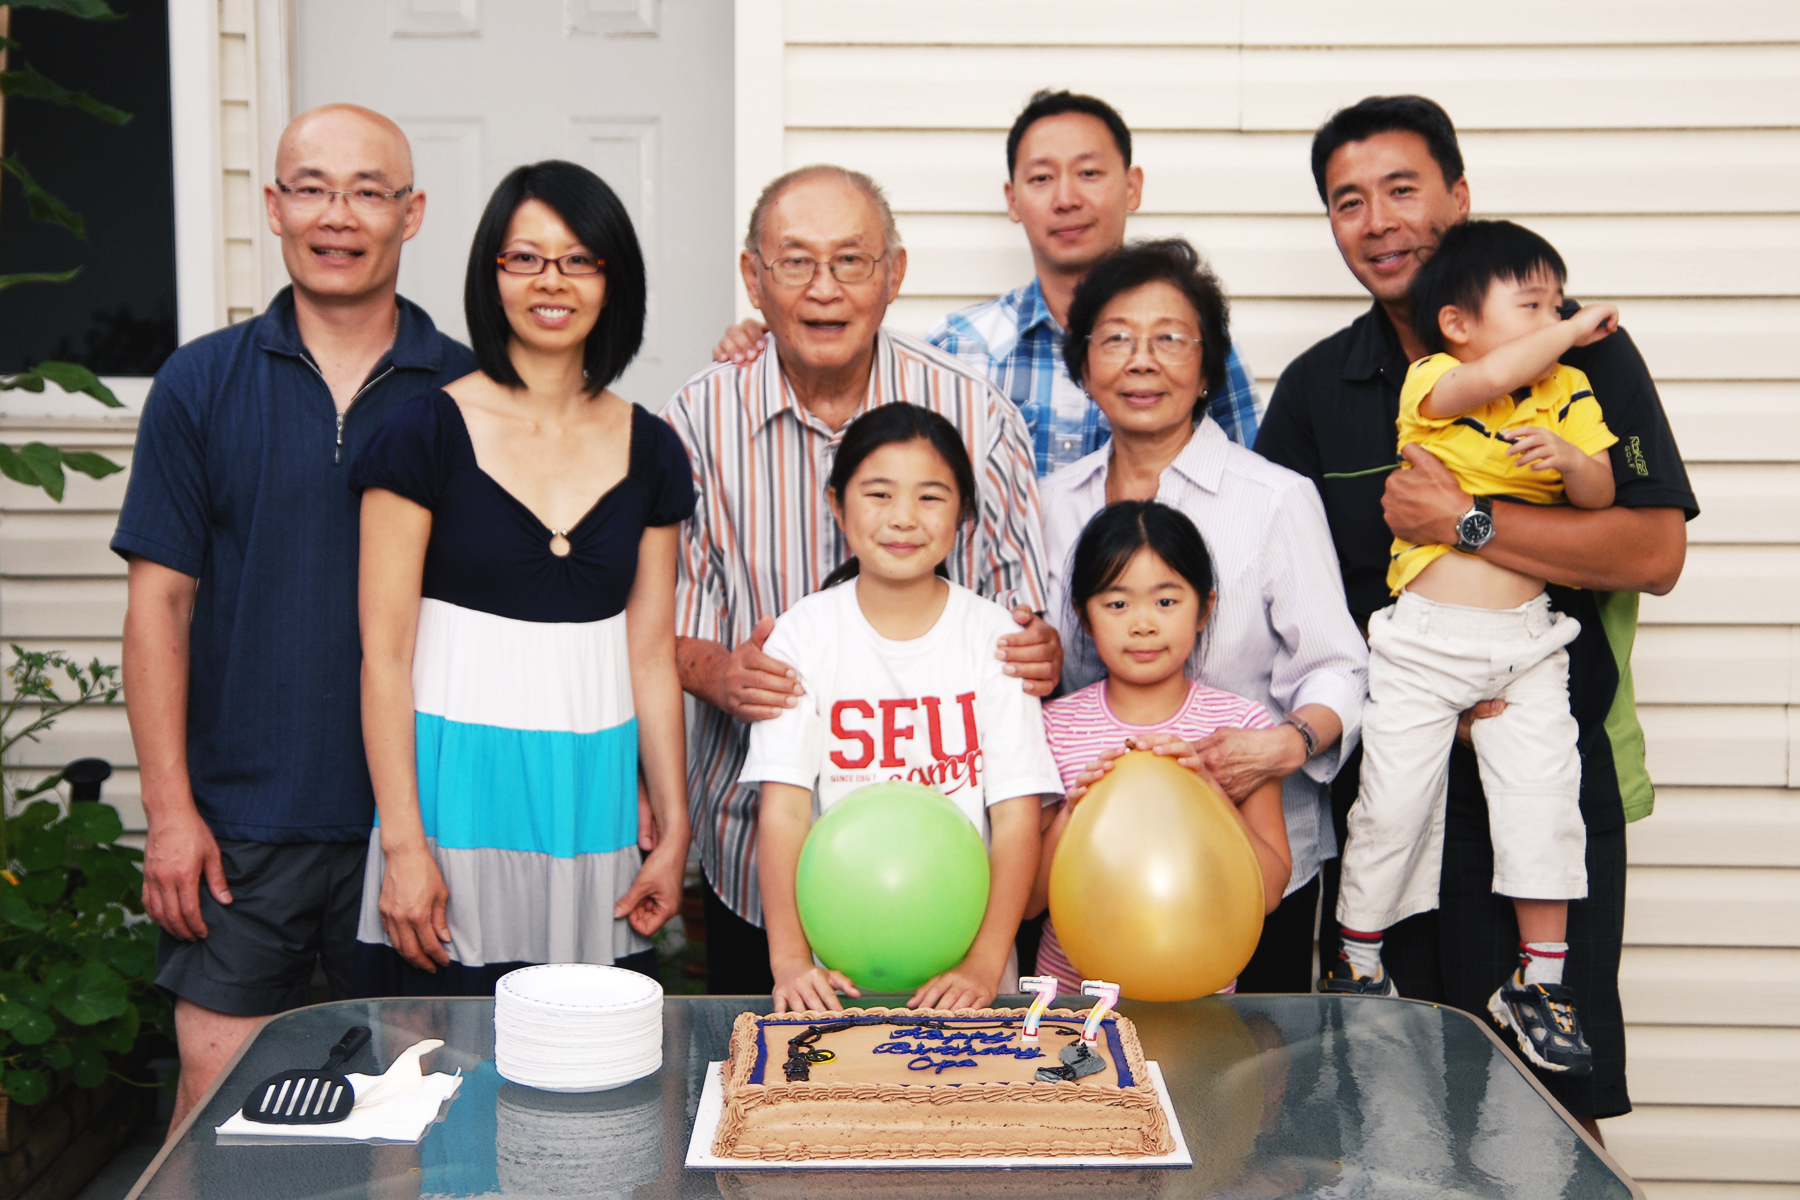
x=524 y=262
x=798 y=270
x=310 y=197
x=1171 y=349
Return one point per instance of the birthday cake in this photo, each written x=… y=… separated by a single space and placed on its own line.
x=891 y=1083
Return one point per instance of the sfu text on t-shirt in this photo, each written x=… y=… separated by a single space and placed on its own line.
x=854 y=727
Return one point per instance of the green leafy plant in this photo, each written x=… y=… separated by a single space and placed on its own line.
x=76 y=960
x=38 y=464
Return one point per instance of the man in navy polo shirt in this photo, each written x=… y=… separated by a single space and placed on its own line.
x=241 y=657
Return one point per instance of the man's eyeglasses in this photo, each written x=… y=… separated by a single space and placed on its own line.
x=310 y=197
x=524 y=262
x=1170 y=349
x=798 y=270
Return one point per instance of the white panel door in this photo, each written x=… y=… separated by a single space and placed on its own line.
x=637 y=90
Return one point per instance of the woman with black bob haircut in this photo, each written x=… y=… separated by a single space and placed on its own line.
x=593 y=213
x=519 y=539
x=1148 y=333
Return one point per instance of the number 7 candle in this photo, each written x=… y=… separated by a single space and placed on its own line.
x=1043 y=989
x=1106 y=995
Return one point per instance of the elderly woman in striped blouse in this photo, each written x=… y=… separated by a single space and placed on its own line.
x=1147 y=336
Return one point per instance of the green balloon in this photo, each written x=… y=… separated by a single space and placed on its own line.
x=892 y=886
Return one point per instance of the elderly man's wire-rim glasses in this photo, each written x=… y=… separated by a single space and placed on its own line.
x=798 y=270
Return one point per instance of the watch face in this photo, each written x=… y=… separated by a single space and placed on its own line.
x=1475 y=528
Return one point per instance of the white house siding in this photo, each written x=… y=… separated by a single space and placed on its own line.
x=62 y=589
x=1654 y=142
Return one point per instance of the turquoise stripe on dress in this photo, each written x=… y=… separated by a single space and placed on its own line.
x=546 y=792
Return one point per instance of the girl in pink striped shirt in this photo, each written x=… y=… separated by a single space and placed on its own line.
x=1142 y=584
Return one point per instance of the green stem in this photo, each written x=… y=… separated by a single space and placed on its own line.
x=1360 y=474
x=136 y=1083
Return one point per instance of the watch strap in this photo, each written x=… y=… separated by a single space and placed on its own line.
x=1477 y=504
x=1307 y=733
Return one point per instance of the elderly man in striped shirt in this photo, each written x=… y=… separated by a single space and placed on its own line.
x=822 y=261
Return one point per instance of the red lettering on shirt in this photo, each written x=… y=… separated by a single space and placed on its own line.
x=852 y=735
x=891 y=733
x=971 y=739
x=934 y=723
x=949 y=773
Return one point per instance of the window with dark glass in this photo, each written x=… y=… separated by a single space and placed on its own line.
x=117 y=317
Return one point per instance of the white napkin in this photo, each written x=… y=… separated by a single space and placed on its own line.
x=398 y=1106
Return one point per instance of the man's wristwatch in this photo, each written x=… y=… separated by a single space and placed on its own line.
x=1475 y=528
x=1308 y=734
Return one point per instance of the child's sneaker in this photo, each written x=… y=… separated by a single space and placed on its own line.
x=1541 y=1018
x=1343 y=980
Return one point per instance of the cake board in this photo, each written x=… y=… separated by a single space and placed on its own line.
x=712 y=1106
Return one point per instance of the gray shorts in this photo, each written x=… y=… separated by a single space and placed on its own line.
x=291 y=905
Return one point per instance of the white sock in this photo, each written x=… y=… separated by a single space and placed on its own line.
x=1364 y=953
x=1543 y=962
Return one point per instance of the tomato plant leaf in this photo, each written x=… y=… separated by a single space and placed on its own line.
x=86 y=10
x=26 y=82
x=73 y=377
x=43 y=205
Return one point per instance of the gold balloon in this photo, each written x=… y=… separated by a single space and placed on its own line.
x=1155 y=885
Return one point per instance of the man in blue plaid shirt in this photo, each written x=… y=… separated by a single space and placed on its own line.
x=1071 y=185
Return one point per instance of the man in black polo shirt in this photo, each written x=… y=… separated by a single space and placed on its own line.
x=1391 y=176
x=242 y=659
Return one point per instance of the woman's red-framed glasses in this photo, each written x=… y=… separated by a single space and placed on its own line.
x=524 y=262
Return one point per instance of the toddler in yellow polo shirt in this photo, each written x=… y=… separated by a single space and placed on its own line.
x=1494 y=404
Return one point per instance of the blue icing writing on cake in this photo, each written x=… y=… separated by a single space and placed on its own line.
x=936 y=1049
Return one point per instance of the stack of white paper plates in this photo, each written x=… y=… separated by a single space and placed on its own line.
x=575 y=1027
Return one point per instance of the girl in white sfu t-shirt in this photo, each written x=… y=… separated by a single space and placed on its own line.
x=901 y=683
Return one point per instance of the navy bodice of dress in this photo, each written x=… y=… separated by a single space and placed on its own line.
x=490 y=553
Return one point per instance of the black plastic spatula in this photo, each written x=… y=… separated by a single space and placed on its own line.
x=318 y=1097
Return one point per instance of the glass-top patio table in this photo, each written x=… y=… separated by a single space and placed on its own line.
x=1277 y=1096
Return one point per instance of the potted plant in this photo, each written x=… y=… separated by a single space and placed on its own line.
x=77 y=959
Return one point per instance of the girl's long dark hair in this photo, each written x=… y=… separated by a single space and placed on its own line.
x=1118 y=531
x=886 y=426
